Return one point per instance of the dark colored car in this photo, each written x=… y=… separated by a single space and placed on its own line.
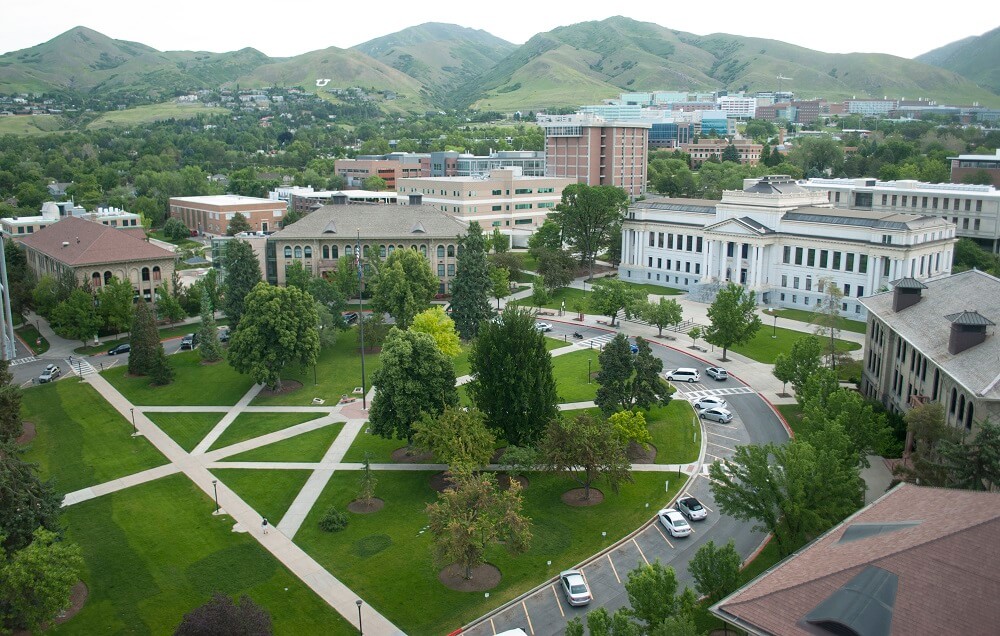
x=122 y=348
x=351 y=317
x=189 y=341
x=223 y=334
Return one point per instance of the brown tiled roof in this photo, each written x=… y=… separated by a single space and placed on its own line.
x=91 y=243
x=947 y=565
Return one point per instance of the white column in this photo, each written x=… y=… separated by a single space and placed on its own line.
x=706 y=258
x=874 y=274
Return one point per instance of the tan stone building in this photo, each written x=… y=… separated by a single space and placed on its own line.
x=705 y=149
x=212 y=214
x=95 y=253
x=320 y=239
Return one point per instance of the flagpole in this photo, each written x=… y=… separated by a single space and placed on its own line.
x=361 y=320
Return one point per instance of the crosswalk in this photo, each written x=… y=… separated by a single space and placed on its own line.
x=81 y=367
x=14 y=363
x=597 y=342
x=698 y=393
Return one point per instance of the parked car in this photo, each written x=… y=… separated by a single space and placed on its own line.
x=223 y=334
x=674 y=522
x=351 y=317
x=683 y=374
x=575 y=587
x=710 y=402
x=717 y=373
x=122 y=348
x=721 y=415
x=543 y=326
x=50 y=373
x=691 y=508
x=633 y=347
x=189 y=341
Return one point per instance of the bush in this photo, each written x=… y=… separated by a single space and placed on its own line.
x=333 y=520
x=221 y=616
x=175 y=229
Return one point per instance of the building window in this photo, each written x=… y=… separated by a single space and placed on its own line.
x=440 y=269
x=381 y=251
x=849 y=264
x=847 y=289
x=975 y=225
x=497 y=208
x=326 y=252
x=836 y=260
x=650 y=262
x=861 y=291
x=786 y=256
x=145 y=274
x=440 y=251
x=795 y=282
x=451 y=251
x=809 y=283
x=784 y=280
x=652 y=239
x=308 y=251
x=823 y=258
x=798 y=255
x=288 y=251
x=156 y=274
x=451 y=269
x=298 y=251
x=423 y=251
x=863 y=264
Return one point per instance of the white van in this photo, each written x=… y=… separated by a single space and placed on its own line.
x=683 y=374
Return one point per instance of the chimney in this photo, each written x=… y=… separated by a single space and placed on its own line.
x=906 y=293
x=416 y=199
x=78 y=240
x=968 y=328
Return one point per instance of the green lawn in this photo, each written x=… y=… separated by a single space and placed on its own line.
x=184 y=243
x=81 y=441
x=569 y=295
x=307 y=447
x=801 y=315
x=676 y=439
x=659 y=290
x=570 y=372
x=269 y=492
x=793 y=415
x=528 y=261
x=187 y=429
x=155 y=552
x=153 y=113
x=764 y=348
x=386 y=557
x=195 y=384
x=379 y=447
x=337 y=373
x=35 y=341
x=250 y=425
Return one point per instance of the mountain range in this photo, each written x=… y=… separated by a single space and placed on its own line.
x=433 y=65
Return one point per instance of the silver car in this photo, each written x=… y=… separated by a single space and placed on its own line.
x=717 y=414
x=543 y=326
x=50 y=373
x=691 y=508
x=575 y=587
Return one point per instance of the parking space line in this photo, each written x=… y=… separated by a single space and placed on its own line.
x=719 y=445
x=724 y=436
x=715 y=456
x=664 y=536
x=493 y=627
x=613 y=569
x=640 y=551
x=688 y=494
x=558 y=604
x=530 y=627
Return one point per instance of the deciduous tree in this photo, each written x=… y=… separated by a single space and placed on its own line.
x=734 y=317
x=76 y=317
x=663 y=313
x=35 y=581
x=116 y=304
x=799 y=363
x=238 y=224
x=612 y=295
x=631 y=428
x=499 y=283
x=547 y=237
x=472 y=285
x=404 y=286
x=614 y=377
x=557 y=266
x=439 y=326
x=716 y=570
x=10 y=405
x=590 y=217
x=221 y=615
x=457 y=437
x=975 y=463
x=588 y=449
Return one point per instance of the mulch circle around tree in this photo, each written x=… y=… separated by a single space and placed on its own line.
x=364 y=508
x=287 y=386
x=639 y=455
x=503 y=480
x=575 y=498
x=441 y=481
x=27 y=432
x=484 y=577
x=407 y=455
x=77 y=598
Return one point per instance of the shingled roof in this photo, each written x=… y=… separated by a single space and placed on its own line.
x=376 y=221
x=939 y=544
x=76 y=242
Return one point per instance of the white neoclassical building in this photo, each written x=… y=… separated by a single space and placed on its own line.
x=781 y=241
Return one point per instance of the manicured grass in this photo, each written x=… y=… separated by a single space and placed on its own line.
x=801 y=315
x=570 y=372
x=793 y=415
x=35 y=341
x=81 y=441
x=379 y=447
x=307 y=447
x=386 y=557
x=187 y=429
x=170 y=331
x=184 y=243
x=250 y=425
x=676 y=439
x=338 y=371
x=764 y=348
x=528 y=262
x=155 y=552
x=269 y=492
x=569 y=295
x=195 y=384
x=659 y=290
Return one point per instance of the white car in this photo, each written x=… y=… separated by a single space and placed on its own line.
x=721 y=415
x=691 y=508
x=674 y=522
x=710 y=402
x=543 y=326
x=575 y=587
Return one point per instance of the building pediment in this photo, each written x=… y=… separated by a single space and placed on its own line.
x=739 y=227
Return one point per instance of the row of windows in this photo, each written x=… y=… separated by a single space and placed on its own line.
x=676 y=265
x=923 y=201
x=828 y=259
x=859 y=290
x=332 y=251
x=146 y=274
x=684 y=242
x=806 y=300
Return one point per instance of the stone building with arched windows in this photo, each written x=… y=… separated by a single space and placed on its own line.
x=97 y=253
x=935 y=341
x=319 y=240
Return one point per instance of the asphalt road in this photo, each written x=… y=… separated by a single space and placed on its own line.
x=546 y=612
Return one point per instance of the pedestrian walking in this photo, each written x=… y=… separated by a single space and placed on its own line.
x=263 y=525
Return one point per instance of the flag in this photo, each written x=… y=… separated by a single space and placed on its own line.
x=357 y=258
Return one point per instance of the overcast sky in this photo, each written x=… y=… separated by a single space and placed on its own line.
x=292 y=27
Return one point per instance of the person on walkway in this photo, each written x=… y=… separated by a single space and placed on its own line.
x=263 y=525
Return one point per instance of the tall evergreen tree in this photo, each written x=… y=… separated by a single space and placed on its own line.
x=26 y=502
x=471 y=287
x=647 y=387
x=162 y=372
x=10 y=404
x=209 y=347
x=145 y=340
x=242 y=274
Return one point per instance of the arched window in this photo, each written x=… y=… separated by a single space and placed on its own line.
x=156 y=274
x=288 y=251
x=335 y=252
x=107 y=277
x=326 y=252
x=392 y=248
x=95 y=280
x=298 y=251
x=399 y=247
x=440 y=251
x=145 y=274
x=968 y=417
x=381 y=251
x=423 y=251
x=366 y=250
x=348 y=250
x=961 y=408
x=413 y=247
x=954 y=400
x=451 y=251
x=309 y=252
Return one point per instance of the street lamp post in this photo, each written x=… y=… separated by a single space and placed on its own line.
x=135 y=431
x=588 y=370
x=215 y=489
x=361 y=629
x=774 y=329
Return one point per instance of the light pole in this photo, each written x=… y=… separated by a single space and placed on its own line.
x=774 y=329
x=361 y=630
x=588 y=370
x=215 y=489
x=361 y=328
x=135 y=431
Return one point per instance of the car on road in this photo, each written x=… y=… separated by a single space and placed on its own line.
x=691 y=508
x=674 y=522
x=188 y=341
x=543 y=327
x=122 y=348
x=710 y=402
x=633 y=347
x=683 y=374
x=50 y=373
x=223 y=334
x=717 y=414
x=717 y=373
x=351 y=317
x=575 y=587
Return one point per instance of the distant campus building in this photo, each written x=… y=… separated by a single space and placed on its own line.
x=212 y=214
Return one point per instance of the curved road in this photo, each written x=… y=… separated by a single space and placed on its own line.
x=545 y=612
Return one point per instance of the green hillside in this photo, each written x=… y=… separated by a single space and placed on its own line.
x=977 y=58
x=439 y=56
